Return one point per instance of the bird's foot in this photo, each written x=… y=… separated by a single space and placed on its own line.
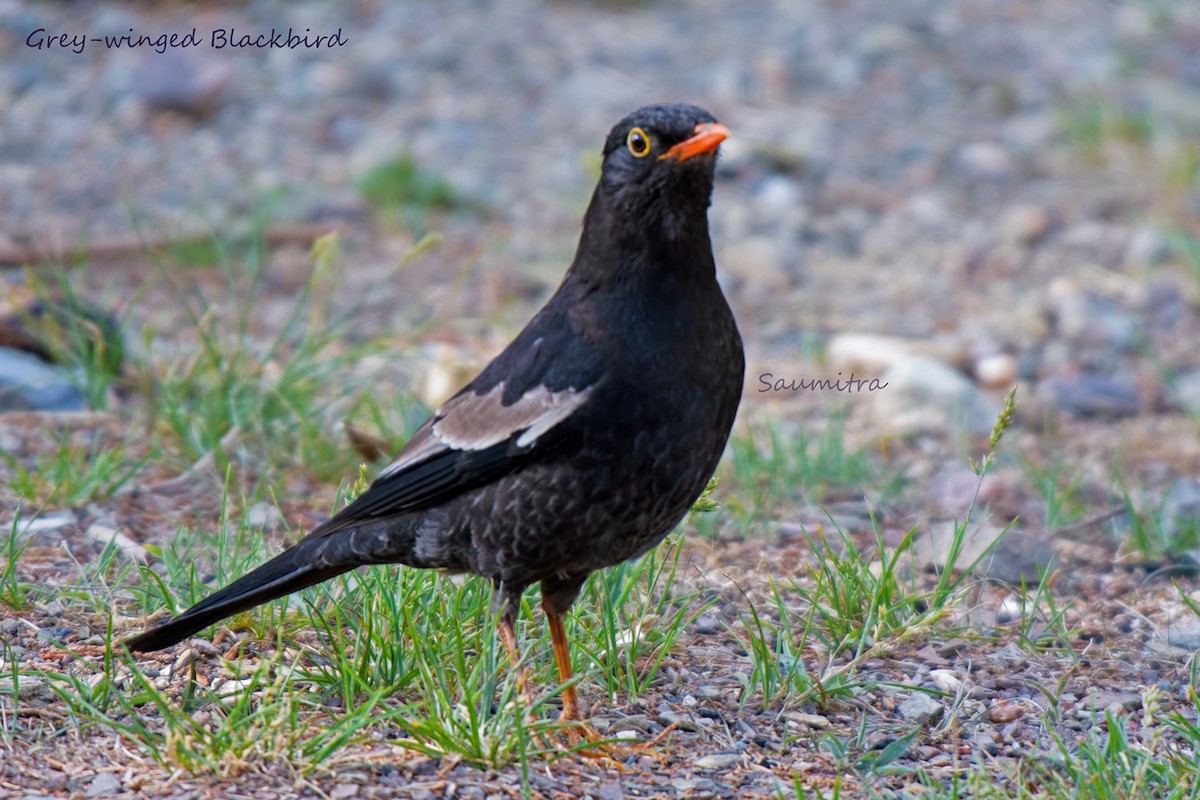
x=590 y=743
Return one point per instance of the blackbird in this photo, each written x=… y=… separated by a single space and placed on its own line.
x=586 y=440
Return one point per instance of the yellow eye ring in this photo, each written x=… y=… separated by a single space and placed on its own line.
x=638 y=143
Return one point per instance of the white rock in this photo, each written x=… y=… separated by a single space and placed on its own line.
x=103 y=535
x=263 y=515
x=986 y=160
x=945 y=680
x=998 y=370
x=1146 y=248
x=717 y=761
x=871 y=353
x=924 y=395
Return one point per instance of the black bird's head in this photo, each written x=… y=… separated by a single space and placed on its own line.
x=655 y=185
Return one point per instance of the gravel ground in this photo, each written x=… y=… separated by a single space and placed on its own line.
x=987 y=188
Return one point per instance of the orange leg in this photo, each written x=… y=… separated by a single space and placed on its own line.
x=578 y=729
x=508 y=635
x=562 y=654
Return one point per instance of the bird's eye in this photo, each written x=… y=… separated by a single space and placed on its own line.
x=638 y=143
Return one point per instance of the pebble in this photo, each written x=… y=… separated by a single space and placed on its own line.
x=103 y=536
x=985 y=160
x=611 y=790
x=996 y=371
x=1005 y=711
x=30 y=384
x=920 y=709
x=1185 y=636
x=1180 y=509
x=800 y=718
x=945 y=680
x=103 y=784
x=926 y=396
x=717 y=761
x=951 y=492
x=178 y=81
x=680 y=721
x=1024 y=225
x=871 y=355
x=1089 y=395
x=1147 y=247
x=29 y=687
x=263 y=515
x=1185 y=391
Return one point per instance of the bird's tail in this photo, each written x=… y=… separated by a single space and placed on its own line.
x=318 y=557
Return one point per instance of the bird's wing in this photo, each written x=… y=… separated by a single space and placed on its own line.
x=511 y=413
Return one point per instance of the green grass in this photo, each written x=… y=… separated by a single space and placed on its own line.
x=14 y=591
x=83 y=466
x=769 y=469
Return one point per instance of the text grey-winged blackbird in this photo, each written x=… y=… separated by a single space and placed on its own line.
x=583 y=443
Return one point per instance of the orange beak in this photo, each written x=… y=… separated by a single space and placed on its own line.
x=704 y=139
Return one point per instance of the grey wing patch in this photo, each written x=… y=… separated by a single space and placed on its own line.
x=420 y=447
x=478 y=421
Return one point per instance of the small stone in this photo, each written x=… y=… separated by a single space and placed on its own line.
x=1146 y=248
x=985 y=160
x=1114 y=702
x=1180 y=509
x=799 y=718
x=636 y=723
x=103 y=784
x=1185 y=636
x=1185 y=391
x=952 y=648
x=175 y=81
x=30 y=384
x=951 y=492
x=28 y=687
x=610 y=790
x=1087 y=395
x=777 y=194
x=717 y=761
x=343 y=791
x=945 y=680
x=933 y=551
x=104 y=535
x=263 y=515
x=680 y=722
x=921 y=709
x=923 y=395
x=1005 y=712
x=1012 y=608
x=1024 y=225
x=996 y=371
x=870 y=355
